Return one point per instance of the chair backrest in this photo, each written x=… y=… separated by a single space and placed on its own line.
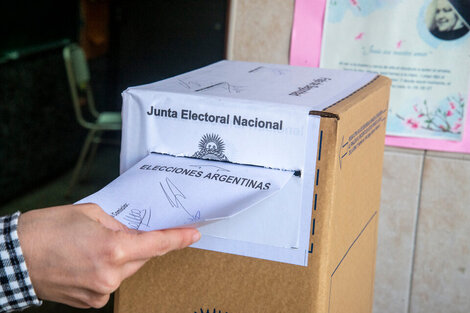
x=78 y=76
x=79 y=65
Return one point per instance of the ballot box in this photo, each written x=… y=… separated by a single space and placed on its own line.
x=308 y=247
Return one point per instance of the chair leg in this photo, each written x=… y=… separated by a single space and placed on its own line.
x=92 y=154
x=81 y=159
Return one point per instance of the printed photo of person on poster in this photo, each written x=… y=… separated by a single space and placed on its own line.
x=445 y=21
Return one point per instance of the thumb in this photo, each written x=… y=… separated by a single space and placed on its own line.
x=145 y=245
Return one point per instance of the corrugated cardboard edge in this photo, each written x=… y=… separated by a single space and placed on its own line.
x=324 y=220
x=320 y=222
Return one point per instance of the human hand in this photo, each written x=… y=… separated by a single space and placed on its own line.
x=78 y=255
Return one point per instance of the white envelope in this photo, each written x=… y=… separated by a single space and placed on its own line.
x=163 y=191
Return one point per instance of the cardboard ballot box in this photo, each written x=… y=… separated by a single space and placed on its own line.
x=308 y=248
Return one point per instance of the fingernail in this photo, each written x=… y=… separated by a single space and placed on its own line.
x=196 y=236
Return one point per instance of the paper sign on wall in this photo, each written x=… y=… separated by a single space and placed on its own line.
x=421 y=45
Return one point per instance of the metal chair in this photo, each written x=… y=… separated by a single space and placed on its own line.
x=79 y=82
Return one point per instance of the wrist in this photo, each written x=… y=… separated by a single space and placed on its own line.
x=17 y=291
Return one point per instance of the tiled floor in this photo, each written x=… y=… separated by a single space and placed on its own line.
x=441 y=276
x=397 y=222
x=423 y=255
x=104 y=169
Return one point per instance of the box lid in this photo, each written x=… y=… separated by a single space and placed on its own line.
x=302 y=88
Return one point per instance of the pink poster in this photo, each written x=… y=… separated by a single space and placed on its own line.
x=425 y=54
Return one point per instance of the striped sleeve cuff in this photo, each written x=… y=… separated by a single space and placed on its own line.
x=16 y=289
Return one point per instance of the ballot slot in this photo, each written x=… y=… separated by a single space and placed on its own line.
x=296 y=173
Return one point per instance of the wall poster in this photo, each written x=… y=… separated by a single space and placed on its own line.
x=423 y=46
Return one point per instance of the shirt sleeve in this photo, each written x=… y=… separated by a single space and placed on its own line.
x=16 y=289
